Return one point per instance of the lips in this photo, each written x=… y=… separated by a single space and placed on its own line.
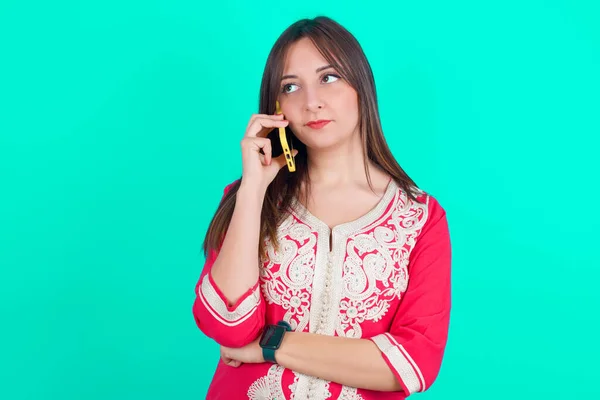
x=318 y=124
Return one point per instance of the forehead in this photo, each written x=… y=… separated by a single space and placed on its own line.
x=303 y=57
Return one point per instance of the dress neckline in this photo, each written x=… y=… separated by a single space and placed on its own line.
x=347 y=227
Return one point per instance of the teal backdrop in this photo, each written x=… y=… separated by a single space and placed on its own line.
x=120 y=125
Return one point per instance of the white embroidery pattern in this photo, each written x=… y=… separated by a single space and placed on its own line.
x=375 y=271
x=327 y=283
x=290 y=286
x=268 y=387
x=287 y=275
x=349 y=393
x=217 y=307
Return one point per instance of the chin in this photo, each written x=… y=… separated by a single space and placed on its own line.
x=323 y=143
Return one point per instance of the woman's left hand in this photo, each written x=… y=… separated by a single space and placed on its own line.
x=249 y=354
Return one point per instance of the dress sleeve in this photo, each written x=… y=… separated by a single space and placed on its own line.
x=229 y=325
x=414 y=345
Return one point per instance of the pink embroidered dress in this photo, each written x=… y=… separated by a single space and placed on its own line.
x=386 y=279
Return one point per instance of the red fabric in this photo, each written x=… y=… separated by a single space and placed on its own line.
x=387 y=279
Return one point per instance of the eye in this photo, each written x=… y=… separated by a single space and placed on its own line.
x=330 y=78
x=289 y=88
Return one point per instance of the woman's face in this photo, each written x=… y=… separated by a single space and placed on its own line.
x=311 y=91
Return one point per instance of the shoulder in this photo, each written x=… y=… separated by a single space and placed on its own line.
x=435 y=223
x=435 y=210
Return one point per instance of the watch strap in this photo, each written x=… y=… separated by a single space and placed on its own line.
x=269 y=355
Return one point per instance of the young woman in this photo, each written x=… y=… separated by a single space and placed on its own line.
x=332 y=281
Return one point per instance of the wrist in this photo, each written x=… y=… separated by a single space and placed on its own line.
x=283 y=352
x=252 y=190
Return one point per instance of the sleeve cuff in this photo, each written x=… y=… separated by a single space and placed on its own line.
x=216 y=303
x=401 y=363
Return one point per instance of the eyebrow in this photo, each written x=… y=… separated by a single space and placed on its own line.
x=317 y=71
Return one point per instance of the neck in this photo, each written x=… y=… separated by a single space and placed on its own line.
x=338 y=165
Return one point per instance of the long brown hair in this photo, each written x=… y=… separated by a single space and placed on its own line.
x=341 y=49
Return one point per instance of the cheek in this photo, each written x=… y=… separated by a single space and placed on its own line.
x=295 y=120
x=293 y=113
x=349 y=105
x=344 y=98
x=350 y=99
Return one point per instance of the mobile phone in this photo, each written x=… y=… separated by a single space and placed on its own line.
x=289 y=158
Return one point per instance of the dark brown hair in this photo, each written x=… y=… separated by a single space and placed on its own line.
x=341 y=49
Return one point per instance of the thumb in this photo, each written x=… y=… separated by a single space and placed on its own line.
x=280 y=161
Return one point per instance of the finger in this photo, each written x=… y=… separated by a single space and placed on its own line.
x=275 y=117
x=254 y=143
x=231 y=362
x=267 y=152
x=262 y=126
x=262 y=146
x=268 y=126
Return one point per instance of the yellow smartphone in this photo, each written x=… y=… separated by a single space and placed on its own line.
x=284 y=144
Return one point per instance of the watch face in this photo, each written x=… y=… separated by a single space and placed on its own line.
x=272 y=336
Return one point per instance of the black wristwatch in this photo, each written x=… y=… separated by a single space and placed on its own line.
x=271 y=339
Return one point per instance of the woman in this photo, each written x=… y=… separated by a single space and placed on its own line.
x=332 y=281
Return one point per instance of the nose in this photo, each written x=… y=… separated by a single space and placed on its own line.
x=314 y=102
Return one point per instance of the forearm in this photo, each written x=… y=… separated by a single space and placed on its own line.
x=236 y=268
x=352 y=362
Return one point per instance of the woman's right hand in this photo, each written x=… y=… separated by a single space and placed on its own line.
x=260 y=169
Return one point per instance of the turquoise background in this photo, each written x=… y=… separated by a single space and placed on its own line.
x=120 y=125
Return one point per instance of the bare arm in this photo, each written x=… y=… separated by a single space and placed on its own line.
x=235 y=270
x=229 y=306
x=352 y=362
